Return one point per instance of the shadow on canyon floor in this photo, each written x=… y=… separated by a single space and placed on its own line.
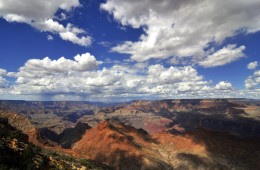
x=225 y=149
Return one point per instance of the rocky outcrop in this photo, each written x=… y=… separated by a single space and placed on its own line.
x=119 y=146
x=180 y=105
x=235 y=152
x=27 y=128
x=72 y=135
x=18 y=121
x=17 y=106
x=151 y=124
x=124 y=147
x=238 y=116
x=17 y=153
x=54 y=115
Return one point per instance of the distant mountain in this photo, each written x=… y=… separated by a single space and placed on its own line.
x=54 y=115
x=237 y=116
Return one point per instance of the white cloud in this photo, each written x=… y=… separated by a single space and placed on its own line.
x=40 y=15
x=251 y=94
x=223 y=85
x=50 y=38
x=46 y=66
x=3 y=81
x=86 y=62
x=35 y=10
x=252 y=65
x=181 y=28
x=161 y=75
x=2 y=72
x=80 y=79
x=62 y=16
x=105 y=43
x=223 y=56
x=70 y=36
x=182 y=61
x=70 y=33
x=253 y=81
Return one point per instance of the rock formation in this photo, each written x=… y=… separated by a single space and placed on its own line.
x=124 y=147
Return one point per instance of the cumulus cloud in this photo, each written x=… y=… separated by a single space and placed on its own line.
x=41 y=14
x=70 y=36
x=160 y=75
x=253 y=81
x=252 y=65
x=46 y=66
x=81 y=79
x=62 y=76
x=181 y=28
x=223 y=56
x=181 y=61
x=2 y=72
x=223 y=85
x=36 y=10
x=3 y=81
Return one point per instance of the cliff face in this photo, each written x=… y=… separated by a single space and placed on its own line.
x=15 y=150
x=44 y=137
x=182 y=105
x=18 y=121
x=17 y=153
x=119 y=146
x=72 y=135
x=54 y=115
x=238 y=116
x=124 y=147
x=163 y=106
x=35 y=106
x=27 y=128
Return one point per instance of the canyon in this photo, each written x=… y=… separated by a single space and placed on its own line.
x=161 y=134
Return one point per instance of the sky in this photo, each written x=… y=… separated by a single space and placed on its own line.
x=123 y=50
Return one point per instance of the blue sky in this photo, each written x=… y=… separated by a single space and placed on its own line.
x=121 y=50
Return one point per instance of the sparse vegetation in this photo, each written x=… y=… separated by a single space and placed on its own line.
x=17 y=153
x=123 y=146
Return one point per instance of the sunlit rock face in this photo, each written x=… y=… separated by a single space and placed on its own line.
x=237 y=116
x=164 y=134
x=125 y=147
